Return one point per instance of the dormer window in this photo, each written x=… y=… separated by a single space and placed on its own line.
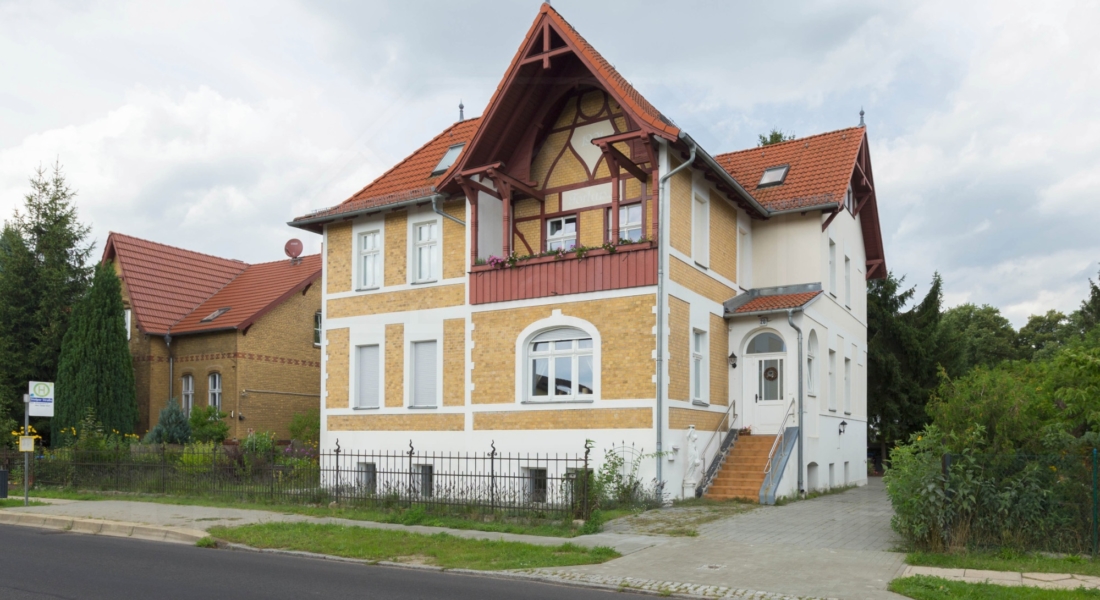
x=773 y=176
x=447 y=160
x=214 y=315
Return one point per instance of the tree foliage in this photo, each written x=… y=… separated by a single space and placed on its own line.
x=96 y=371
x=775 y=136
x=208 y=424
x=172 y=426
x=976 y=336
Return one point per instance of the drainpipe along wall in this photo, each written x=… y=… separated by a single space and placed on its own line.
x=801 y=425
x=664 y=211
x=168 y=347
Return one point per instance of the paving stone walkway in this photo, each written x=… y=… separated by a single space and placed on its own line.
x=1057 y=581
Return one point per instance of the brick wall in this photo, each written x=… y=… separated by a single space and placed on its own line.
x=395 y=365
x=680 y=207
x=396 y=251
x=547 y=153
x=679 y=349
x=723 y=237
x=454 y=240
x=434 y=296
x=719 y=337
x=336 y=368
x=568 y=170
x=625 y=325
x=703 y=420
x=696 y=281
x=596 y=418
x=591 y=225
x=402 y=422
x=199 y=355
x=338 y=257
x=454 y=362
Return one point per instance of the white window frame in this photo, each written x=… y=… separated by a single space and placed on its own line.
x=187 y=393
x=847 y=386
x=625 y=224
x=415 y=380
x=700 y=230
x=431 y=246
x=562 y=237
x=370 y=260
x=699 y=367
x=811 y=359
x=318 y=329
x=523 y=372
x=832 y=380
x=126 y=315
x=361 y=386
x=551 y=352
x=847 y=283
x=832 y=268
x=214 y=389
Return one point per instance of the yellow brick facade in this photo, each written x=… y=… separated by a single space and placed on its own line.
x=592 y=227
x=679 y=349
x=680 y=207
x=402 y=422
x=434 y=296
x=339 y=254
x=396 y=250
x=719 y=338
x=454 y=241
x=723 y=237
x=596 y=418
x=395 y=365
x=696 y=281
x=625 y=326
x=454 y=359
x=336 y=368
x=703 y=420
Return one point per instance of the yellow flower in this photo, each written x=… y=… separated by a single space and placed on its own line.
x=1054 y=468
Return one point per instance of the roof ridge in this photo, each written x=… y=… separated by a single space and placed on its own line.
x=788 y=142
x=222 y=258
x=409 y=157
x=272 y=262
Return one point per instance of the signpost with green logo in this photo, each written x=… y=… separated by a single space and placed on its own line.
x=38 y=403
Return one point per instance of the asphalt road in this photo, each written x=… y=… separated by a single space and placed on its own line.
x=37 y=564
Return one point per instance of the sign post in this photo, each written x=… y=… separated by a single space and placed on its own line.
x=38 y=403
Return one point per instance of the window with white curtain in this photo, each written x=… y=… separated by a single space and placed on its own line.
x=561 y=233
x=700 y=230
x=424 y=376
x=426 y=252
x=698 y=366
x=214 y=393
x=561 y=366
x=366 y=376
x=188 y=396
x=370 y=260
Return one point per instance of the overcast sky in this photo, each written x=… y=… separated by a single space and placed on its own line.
x=208 y=125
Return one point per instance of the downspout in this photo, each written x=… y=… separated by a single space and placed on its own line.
x=801 y=433
x=436 y=198
x=663 y=210
x=168 y=345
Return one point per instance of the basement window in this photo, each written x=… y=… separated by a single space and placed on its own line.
x=447 y=160
x=214 y=315
x=773 y=176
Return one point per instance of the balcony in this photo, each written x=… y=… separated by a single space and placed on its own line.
x=629 y=266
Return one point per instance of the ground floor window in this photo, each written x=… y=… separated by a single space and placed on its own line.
x=187 y=398
x=214 y=394
x=561 y=365
x=537 y=481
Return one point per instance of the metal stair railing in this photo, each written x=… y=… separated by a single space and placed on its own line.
x=779 y=437
x=723 y=451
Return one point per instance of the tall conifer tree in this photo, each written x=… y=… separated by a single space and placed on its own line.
x=95 y=370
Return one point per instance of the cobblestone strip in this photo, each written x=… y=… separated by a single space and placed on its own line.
x=673 y=588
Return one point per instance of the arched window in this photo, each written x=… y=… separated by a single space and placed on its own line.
x=560 y=363
x=811 y=365
x=766 y=343
x=188 y=385
x=769 y=370
x=214 y=395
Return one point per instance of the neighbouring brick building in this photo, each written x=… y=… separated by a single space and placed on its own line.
x=208 y=330
x=572 y=265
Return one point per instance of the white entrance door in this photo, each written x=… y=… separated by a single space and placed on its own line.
x=767 y=389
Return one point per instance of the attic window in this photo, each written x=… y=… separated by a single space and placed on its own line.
x=214 y=315
x=447 y=160
x=773 y=176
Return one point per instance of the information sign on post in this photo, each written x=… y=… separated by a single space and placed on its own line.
x=41 y=404
x=26 y=443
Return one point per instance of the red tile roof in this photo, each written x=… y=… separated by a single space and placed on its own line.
x=167 y=284
x=407 y=180
x=820 y=168
x=777 y=302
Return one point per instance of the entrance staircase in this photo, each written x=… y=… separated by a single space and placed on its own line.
x=742 y=474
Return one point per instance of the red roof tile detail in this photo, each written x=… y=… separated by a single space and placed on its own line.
x=257 y=288
x=409 y=179
x=167 y=284
x=820 y=168
x=778 y=302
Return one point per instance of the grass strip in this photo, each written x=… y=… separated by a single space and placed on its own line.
x=17 y=502
x=1006 y=560
x=922 y=587
x=398 y=516
x=440 y=550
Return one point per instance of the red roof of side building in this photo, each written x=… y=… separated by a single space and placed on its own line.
x=777 y=302
x=820 y=168
x=167 y=284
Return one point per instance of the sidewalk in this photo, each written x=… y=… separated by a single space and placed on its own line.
x=1057 y=581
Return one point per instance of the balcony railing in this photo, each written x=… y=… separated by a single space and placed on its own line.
x=633 y=265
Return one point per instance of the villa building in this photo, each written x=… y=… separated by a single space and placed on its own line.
x=574 y=266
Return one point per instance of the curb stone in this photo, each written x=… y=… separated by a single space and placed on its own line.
x=101 y=527
x=626 y=584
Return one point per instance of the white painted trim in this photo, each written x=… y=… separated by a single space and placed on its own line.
x=556 y=320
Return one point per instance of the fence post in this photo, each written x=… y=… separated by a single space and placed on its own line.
x=337 y=452
x=492 y=478
x=584 y=486
x=412 y=475
x=272 y=496
x=1095 y=504
x=163 y=469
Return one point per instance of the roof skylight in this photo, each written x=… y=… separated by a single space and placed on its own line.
x=773 y=176
x=214 y=315
x=447 y=160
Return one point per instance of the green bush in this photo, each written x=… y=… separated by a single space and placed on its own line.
x=305 y=428
x=259 y=443
x=207 y=424
x=172 y=426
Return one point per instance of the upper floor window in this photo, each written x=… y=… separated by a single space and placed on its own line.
x=811 y=365
x=849 y=202
x=832 y=268
x=698 y=366
x=630 y=223
x=561 y=366
x=188 y=396
x=317 y=328
x=847 y=386
x=126 y=317
x=214 y=394
x=448 y=159
x=370 y=260
x=847 y=282
x=561 y=233
x=700 y=231
x=426 y=252
x=773 y=176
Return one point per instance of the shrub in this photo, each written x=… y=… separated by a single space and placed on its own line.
x=207 y=424
x=172 y=426
x=305 y=428
x=259 y=443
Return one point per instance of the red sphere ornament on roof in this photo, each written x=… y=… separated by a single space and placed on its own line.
x=293 y=248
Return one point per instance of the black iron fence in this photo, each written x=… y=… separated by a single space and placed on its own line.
x=531 y=485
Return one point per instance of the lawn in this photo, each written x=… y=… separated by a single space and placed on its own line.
x=14 y=502
x=935 y=588
x=440 y=550
x=1006 y=560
